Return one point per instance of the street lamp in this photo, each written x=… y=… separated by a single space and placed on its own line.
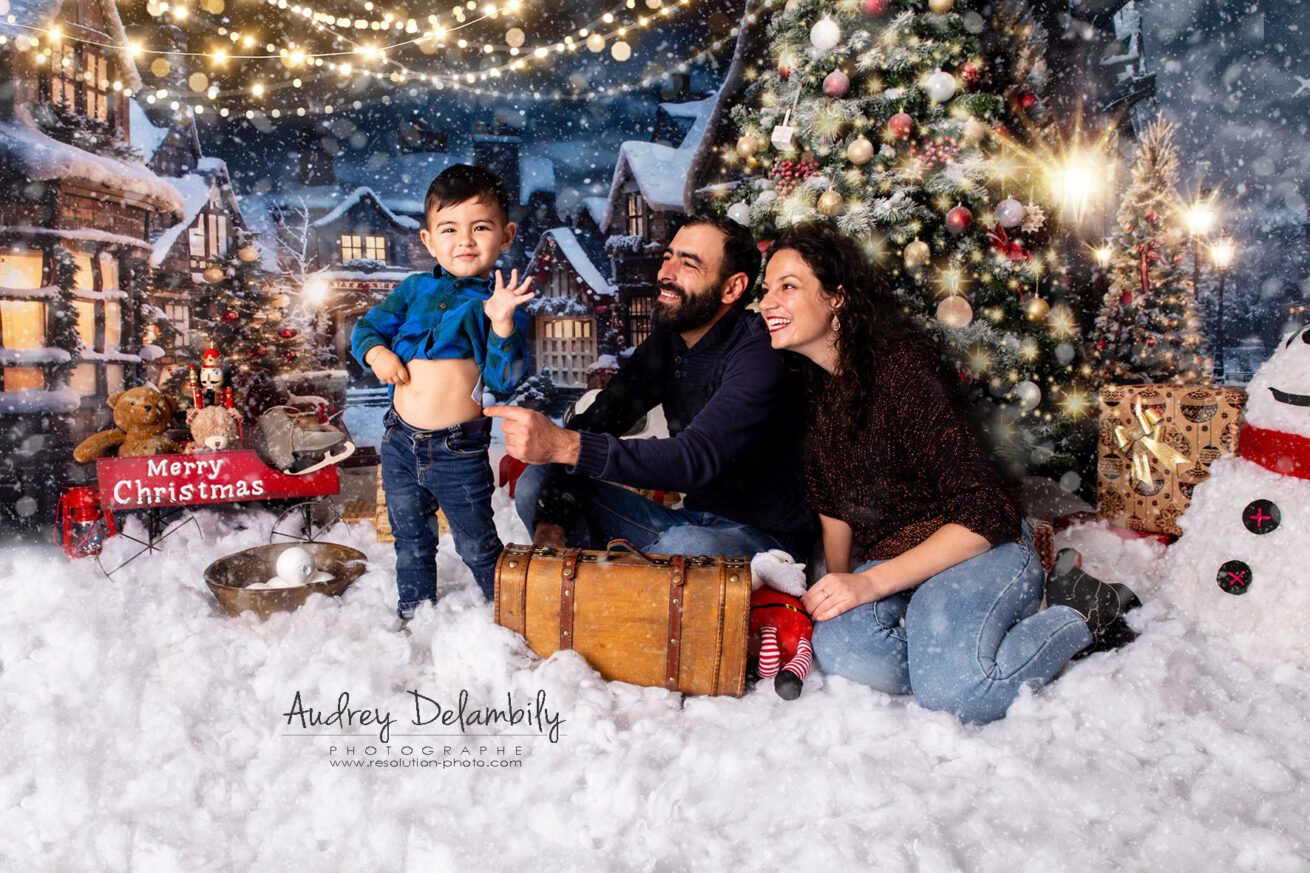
x=1221 y=255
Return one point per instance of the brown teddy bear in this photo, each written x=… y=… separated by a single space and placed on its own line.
x=141 y=416
x=213 y=429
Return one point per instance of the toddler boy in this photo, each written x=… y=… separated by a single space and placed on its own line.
x=437 y=339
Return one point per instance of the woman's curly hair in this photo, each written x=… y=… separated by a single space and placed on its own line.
x=870 y=316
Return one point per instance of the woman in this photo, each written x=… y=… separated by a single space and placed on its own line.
x=946 y=609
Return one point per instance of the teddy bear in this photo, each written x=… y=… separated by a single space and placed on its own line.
x=141 y=415
x=780 y=628
x=213 y=429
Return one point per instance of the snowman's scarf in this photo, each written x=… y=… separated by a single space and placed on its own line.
x=1284 y=453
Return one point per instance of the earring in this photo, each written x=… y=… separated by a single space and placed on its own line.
x=836 y=323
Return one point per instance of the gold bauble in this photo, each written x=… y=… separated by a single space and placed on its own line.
x=212 y=275
x=917 y=255
x=247 y=254
x=830 y=203
x=941 y=7
x=1035 y=309
x=974 y=131
x=954 y=311
x=747 y=146
x=860 y=151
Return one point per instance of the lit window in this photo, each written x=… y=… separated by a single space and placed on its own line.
x=97 y=85
x=64 y=66
x=352 y=247
x=22 y=324
x=85 y=279
x=108 y=272
x=20 y=269
x=196 y=239
x=375 y=247
x=83 y=379
x=86 y=321
x=23 y=378
x=636 y=215
x=113 y=323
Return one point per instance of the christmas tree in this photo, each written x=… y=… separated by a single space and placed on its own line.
x=1149 y=329
x=247 y=328
x=907 y=125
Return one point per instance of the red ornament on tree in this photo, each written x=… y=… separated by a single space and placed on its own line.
x=1027 y=100
x=901 y=125
x=290 y=356
x=784 y=72
x=287 y=333
x=258 y=351
x=836 y=84
x=1150 y=215
x=230 y=316
x=970 y=73
x=873 y=8
x=958 y=220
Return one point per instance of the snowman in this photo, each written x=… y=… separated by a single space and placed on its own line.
x=1241 y=572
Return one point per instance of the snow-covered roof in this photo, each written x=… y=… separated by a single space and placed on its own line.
x=29 y=151
x=535 y=174
x=41 y=13
x=659 y=170
x=146 y=137
x=195 y=190
x=595 y=207
x=357 y=196
x=573 y=252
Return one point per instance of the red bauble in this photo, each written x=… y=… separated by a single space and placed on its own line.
x=290 y=356
x=287 y=333
x=1027 y=99
x=258 y=351
x=230 y=316
x=836 y=84
x=873 y=8
x=958 y=220
x=784 y=73
x=970 y=73
x=1150 y=215
x=901 y=125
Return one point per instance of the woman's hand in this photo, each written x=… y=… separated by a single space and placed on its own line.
x=499 y=307
x=835 y=593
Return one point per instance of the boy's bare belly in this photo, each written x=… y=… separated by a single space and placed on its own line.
x=439 y=393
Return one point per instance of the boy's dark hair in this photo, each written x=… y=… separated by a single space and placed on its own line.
x=462 y=182
x=740 y=254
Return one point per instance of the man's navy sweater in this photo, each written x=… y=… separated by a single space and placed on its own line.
x=735 y=422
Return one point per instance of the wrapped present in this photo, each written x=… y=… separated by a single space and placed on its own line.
x=1156 y=444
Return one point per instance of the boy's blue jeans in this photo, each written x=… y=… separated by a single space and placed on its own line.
x=613 y=512
x=965 y=641
x=423 y=470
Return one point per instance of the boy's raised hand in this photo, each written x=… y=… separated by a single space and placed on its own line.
x=500 y=306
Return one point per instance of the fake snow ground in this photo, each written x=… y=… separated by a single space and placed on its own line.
x=145 y=730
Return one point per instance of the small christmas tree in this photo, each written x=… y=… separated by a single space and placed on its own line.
x=246 y=328
x=898 y=121
x=63 y=315
x=1149 y=329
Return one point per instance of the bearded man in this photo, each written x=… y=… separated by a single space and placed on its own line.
x=735 y=422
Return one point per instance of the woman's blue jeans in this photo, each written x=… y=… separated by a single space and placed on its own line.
x=423 y=470
x=965 y=641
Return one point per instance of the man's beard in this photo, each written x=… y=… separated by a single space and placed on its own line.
x=695 y=310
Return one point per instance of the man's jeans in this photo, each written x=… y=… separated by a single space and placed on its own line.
x=965 y=641
x=426 y=469
x=612 y=512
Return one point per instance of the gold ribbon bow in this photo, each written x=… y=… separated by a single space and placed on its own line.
x=1149 y=440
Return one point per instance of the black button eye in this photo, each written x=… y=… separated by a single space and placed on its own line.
x=1305 y=336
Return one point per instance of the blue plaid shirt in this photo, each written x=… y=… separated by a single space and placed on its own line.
x=435 y=316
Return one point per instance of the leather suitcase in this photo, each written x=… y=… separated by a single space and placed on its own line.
x=659 y=620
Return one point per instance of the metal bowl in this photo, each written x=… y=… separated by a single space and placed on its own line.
x=229 y=577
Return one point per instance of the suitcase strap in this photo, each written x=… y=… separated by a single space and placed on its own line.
x=567 y=578
x=673 y=661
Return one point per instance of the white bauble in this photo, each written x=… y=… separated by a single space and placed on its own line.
x=740 y=213
x=940 y=86
x=824 y=35
x=1029 y=394
x=1009 y=212
x=1064 y=353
